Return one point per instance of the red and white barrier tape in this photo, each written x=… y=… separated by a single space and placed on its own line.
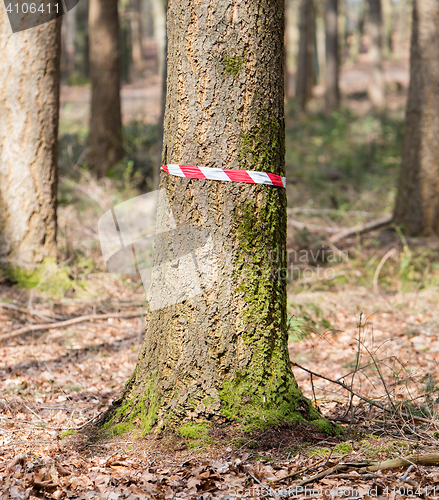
x=224 y=174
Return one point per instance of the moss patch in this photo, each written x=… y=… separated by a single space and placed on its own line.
x=48 y=277
x=134 y=414
x=232 y=65
x=265 y=393
x=67 y=433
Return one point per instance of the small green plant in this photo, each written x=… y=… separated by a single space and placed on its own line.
x=307 y=320
x=343 y=448
x=67 y=433
x=196 y=435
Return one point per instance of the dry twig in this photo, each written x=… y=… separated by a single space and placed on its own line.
x=63 y=324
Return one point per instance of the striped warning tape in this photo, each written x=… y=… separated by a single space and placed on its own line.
x=224 y=174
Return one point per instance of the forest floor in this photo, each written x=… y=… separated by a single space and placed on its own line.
x=362 y=312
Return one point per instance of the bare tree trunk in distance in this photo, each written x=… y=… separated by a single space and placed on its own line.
x=223 y=354
x=137 y=37
x=387 y=6
x=106 y=144
x=417 y=203
x=404 y=28
x=376 y=89
x=291 y=41
x=69 y=40
x=332 y=67
x=29 y=111
x=305 y=63
x=160 y=8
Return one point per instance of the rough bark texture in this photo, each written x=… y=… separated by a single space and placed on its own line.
x=106 y=147
x=417 y=203
x=376 y=89
x=305 y=59
x=332 y=67
x=29 y=108
x=223 y=355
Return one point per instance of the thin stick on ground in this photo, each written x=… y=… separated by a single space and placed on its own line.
x=361 y=228
x=63 y=324
x=360 y=396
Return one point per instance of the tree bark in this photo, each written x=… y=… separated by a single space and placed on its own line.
x=376 y=88
x=305 y=59
x=417 y=203
x=137 y=38
x=159 y=20
x=332 y=66
x=29 y=111
x=105 y=141
x=223 y=354
x=291 y=42
x=387 y=6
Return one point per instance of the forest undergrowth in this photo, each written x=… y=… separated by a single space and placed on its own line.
x=363 y=325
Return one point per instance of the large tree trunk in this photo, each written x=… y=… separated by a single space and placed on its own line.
x=417 y=203
x=332 y=66
x=223 y=354
x=305 y=59
x=29 y=110
x=377 y=84
x=106 y=145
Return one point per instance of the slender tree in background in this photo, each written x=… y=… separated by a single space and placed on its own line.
x=332 y=67
x=387 y=6
x=291 y=42
x=159 y=9
x=404 y=28
x=376 y=89
x=223 y=355
x=305 y=58
x=69 y=28
x=29 y=110
x=105 y=142
x=135 y=14
x=417 y=203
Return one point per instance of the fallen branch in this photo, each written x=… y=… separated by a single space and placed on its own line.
x=361 y=228
x=328 y=211
x=366 y=467
x=24 y=310
x=63 y=324
x=306 y=225
x=360 y=396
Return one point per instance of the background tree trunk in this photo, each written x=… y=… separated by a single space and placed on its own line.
x=160 y=8
x=376 y=88
x=223 y=354
x=305 y=62
x=159 y=20
x=417 y=203
x=387 y=6
x=29 y=110
x=106 y=145
x=137 y=38
x=332 y=67
x=291 y=42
